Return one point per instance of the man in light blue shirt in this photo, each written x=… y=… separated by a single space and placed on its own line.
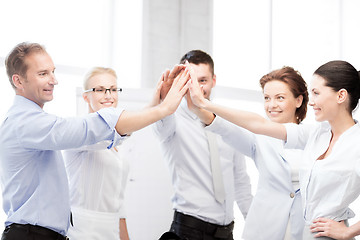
x=33 y=178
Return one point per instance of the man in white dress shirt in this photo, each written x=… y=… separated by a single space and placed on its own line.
x=199 y=213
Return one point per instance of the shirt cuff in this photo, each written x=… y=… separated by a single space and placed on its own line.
x=111 y=117
x=217 y=125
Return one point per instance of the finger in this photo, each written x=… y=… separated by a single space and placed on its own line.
x=176 y=70
x=180 y=79
x=159 y=85
x=180 y=75
x=162 y=77
x=166 y=75
x=182 y=82
x=185 y=78
x=192 y=72
x=320 y=220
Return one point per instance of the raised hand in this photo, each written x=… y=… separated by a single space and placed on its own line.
x=168 y=78
x=196 y=92
x=156 y=97
x=177 y=90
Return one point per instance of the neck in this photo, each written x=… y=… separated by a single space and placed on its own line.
x=341 y=124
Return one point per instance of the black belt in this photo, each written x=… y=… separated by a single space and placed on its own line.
x=39 y=230
x=215 y=230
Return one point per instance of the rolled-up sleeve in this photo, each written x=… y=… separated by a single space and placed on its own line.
x=237 y=137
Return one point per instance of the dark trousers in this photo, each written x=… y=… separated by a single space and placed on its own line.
x=191 y=228
x=30 y=232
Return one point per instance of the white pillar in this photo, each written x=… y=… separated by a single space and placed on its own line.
x=170 y=29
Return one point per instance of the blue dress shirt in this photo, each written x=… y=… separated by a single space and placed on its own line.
x=33 y=178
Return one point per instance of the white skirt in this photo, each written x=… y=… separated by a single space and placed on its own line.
x=92 y=225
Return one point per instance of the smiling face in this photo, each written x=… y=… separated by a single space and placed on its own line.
x=205 y=78
x=323 y=99
x=279 y=102
x=39 y=80
x=99 y=100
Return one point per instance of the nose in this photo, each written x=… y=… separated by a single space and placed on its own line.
x=107 y=93
x=273 y=103
x=311 y=102
x=53 y=80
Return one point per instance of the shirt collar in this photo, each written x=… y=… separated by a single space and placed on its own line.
x=24 y=102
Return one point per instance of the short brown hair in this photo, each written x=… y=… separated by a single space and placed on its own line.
x=15 y=61
x=296 y=84
x=198 y=57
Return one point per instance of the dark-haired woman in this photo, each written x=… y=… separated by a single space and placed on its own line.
x=330 y=170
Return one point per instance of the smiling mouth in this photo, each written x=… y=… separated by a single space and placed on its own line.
x=275 y=112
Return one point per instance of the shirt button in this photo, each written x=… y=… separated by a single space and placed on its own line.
x=292 y=195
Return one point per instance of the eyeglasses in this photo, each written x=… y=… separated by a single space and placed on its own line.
x=104 y=90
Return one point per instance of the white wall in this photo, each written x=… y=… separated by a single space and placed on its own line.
x=249 y=39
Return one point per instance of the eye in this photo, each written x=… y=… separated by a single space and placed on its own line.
x=114 y=90
x=281 y=98
x=202 y=81
x=99 y=90
x=266 y=98
x=42 y=73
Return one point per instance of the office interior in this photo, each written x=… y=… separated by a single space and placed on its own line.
x=142 y=38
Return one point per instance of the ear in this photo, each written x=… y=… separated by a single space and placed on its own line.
x=342 y=95
x=86 y=97
x=299 y=101
x=18 y=81
x=214 y=80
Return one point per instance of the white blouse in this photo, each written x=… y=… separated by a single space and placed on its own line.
x=97 y=178
x=277 y=200
x=328 y=186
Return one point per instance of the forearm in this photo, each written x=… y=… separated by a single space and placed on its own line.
x=124 y=235
x=354 y=230
x=205 y=116
x=248 y=120
x=129 y=121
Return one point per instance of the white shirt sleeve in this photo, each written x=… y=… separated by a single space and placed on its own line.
x=237 y=137
x=296 y=135
x=242 y=191
x=165 y=128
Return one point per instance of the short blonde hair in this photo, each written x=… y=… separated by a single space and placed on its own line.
x=96 y=71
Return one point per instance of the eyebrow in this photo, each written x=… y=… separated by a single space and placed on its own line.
x=112 y=86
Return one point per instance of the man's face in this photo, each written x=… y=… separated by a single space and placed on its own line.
x=205 y=78
x=39 y=80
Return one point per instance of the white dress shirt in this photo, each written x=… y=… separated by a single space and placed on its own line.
x=33 y=177
x=329 y=185
x=277 y=200
x=97 y=180
x=185 y=148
